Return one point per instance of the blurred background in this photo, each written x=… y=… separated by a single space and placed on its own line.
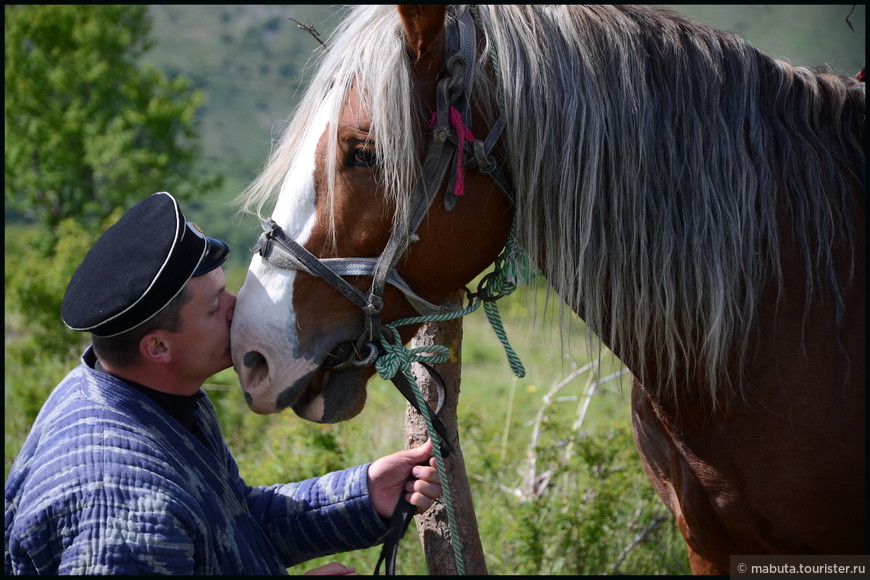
x=94 y=110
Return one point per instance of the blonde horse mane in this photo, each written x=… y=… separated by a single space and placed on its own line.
x=651 y=155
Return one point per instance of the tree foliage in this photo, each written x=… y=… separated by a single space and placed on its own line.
x=89 y=129
x=35 y=286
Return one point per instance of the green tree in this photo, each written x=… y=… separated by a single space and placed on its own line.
x=88 y=128
x=40 y=350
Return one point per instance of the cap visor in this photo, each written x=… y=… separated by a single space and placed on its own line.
x=215 y=255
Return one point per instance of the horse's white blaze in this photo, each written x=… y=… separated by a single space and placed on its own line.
x=264 y=321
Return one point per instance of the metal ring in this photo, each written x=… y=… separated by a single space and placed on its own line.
x=483 y=289
x=370 y=359
x=355 y=360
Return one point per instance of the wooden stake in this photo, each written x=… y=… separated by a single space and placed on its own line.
x=433 y=526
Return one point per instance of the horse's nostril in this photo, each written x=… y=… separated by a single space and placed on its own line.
x=253 y=359
x=257 y=375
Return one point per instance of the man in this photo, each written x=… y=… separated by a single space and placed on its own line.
x=125 y=470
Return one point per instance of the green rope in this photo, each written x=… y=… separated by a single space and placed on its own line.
x=502 y=281
x=399 y=358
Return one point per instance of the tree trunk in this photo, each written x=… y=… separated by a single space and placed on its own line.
x=433 y=526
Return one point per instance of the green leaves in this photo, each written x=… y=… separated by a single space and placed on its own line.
x=37 y=271
x=88 y=129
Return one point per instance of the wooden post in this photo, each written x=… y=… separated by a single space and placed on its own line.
x=433 y=526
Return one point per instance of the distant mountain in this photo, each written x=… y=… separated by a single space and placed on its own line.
x=249 y=60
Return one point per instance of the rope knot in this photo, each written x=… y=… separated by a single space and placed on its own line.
x=397 y=357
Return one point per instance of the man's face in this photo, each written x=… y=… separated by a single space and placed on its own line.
x=204 y=348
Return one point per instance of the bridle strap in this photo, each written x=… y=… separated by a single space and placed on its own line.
x=480 y=159
x=434 y=168
x=404 y=387
x=295 y=257
x=281 y=251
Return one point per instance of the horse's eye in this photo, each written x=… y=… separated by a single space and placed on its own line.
x=364 y=157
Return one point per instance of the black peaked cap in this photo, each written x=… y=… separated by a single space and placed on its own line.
x=137 y=267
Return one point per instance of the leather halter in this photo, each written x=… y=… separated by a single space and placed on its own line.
x=444 y=149
x=454 y=89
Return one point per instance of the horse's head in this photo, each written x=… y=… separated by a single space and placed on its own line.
x=361 y=233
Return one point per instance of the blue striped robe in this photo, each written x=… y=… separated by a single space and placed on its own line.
x=108 y=483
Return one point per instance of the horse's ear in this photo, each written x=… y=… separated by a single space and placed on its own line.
x=424 y=27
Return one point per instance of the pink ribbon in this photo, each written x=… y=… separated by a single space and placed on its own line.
x=464 y=134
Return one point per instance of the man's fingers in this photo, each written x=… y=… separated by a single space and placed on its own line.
x=429 y=489
x=421 y=453
x=425 y=473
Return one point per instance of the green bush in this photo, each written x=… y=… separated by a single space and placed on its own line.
x=571 y=502
x=40 y=350
x=38 y=267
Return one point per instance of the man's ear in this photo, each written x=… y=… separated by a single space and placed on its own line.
x=155 y=348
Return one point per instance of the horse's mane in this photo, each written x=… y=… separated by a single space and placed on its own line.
x=651 y=156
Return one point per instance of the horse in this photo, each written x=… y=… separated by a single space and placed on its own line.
x=696 y=202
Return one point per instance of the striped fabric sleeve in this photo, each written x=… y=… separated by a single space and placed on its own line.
x=318 y=516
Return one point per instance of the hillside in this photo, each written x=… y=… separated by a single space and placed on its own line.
x=249 y=61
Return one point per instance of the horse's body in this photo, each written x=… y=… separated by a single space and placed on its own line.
x=698 y=204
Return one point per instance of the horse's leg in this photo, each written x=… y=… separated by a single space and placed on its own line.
x=674 y=477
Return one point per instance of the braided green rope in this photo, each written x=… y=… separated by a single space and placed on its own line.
x=492 y=314
x=501 y=282
x=399 y=358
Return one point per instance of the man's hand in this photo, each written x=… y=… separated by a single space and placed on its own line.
x=389 y=475
x=333 y=569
